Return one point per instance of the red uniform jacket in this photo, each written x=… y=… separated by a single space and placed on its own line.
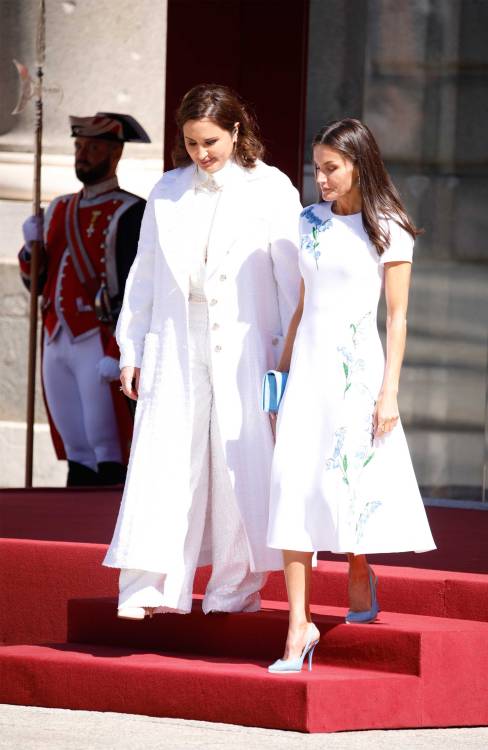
x=109 y=227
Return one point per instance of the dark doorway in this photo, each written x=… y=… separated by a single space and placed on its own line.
x=259 y=49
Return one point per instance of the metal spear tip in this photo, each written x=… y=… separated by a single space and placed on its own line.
x=30 y=88
x=27 y=87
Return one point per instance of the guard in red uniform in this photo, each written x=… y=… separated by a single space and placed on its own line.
x=89 y=243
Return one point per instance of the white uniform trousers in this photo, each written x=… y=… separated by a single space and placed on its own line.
x=214 y=522
x=79 y=401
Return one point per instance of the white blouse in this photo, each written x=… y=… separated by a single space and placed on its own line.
x=208 y=189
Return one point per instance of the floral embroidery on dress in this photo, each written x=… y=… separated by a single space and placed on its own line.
x=360 y=329
x=311 y=241
x=352 y=460
x=351 y=362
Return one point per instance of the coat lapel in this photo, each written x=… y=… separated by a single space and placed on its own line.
x=175 y=212
x=174 y=215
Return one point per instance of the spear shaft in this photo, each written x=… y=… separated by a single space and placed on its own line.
x=35 y=250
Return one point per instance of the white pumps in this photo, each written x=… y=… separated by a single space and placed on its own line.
x=134 y=613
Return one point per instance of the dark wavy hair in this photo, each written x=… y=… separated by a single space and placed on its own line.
x=224 y=107
x=380 y=199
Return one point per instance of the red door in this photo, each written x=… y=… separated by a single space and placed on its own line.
x=259 y=48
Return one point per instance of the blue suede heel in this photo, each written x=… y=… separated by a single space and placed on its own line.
x=369 y=615
x=286 y=666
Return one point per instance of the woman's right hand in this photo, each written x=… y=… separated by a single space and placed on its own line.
x=129 y=377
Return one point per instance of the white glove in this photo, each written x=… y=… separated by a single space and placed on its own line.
x=33 y=230
x=108 y=369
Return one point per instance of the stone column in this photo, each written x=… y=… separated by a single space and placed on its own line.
x=336 y=66
x=101 y=55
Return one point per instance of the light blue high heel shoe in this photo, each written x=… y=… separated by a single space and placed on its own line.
x=368 y=615
x=285 y=666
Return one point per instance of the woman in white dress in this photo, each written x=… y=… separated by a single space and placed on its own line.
x=211 y=291
x=342 y=478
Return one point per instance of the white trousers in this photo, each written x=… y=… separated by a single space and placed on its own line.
x=80 y=402
x=214 y=522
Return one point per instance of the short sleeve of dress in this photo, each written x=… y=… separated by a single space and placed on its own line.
x=401 y=245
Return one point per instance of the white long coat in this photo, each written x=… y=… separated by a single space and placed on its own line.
x=252 y=287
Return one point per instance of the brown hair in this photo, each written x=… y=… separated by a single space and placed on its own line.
x=380 y=198
x=225 y=108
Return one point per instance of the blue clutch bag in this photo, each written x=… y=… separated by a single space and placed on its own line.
x=274 y=383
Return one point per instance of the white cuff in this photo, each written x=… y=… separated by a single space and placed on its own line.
x=130 y=356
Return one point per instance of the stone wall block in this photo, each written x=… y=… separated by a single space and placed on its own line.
x=14 y=335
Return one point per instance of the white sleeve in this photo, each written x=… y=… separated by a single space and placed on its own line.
x=284 y=243
x=401 y=245
x=135 y=316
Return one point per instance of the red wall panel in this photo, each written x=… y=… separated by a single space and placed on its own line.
x=259 y=48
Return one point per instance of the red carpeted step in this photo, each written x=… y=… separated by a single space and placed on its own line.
x=392 y=644
x=435 y=593
x=39 y=577
x=417 y=666
x=237 y=691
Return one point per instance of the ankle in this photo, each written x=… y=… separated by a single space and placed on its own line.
x=359 y=569
x=297 y=625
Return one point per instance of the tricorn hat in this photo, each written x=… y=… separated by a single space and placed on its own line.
x=109 y=126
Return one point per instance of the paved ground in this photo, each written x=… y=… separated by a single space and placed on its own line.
x=42 y=728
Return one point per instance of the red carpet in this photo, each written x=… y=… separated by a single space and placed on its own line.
x=84 y=515
x=230 y=691
x=39 y=579
x=424 y=663
x=400 y=672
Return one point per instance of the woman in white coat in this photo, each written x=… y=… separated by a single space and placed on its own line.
x=209 y=296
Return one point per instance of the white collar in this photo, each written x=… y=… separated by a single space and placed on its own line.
x=93 y=191
x=214 y=181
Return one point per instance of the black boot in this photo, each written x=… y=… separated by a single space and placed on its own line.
x=80 y=475
x=111 y=472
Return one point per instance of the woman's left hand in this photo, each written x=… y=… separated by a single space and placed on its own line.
x=386 y=414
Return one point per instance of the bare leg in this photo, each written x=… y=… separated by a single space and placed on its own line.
x=359 y=592
x=298 y=573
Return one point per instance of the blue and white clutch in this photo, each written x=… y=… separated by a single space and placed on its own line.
x=274 y=383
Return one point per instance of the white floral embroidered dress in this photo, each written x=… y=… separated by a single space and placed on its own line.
x=333 y=487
